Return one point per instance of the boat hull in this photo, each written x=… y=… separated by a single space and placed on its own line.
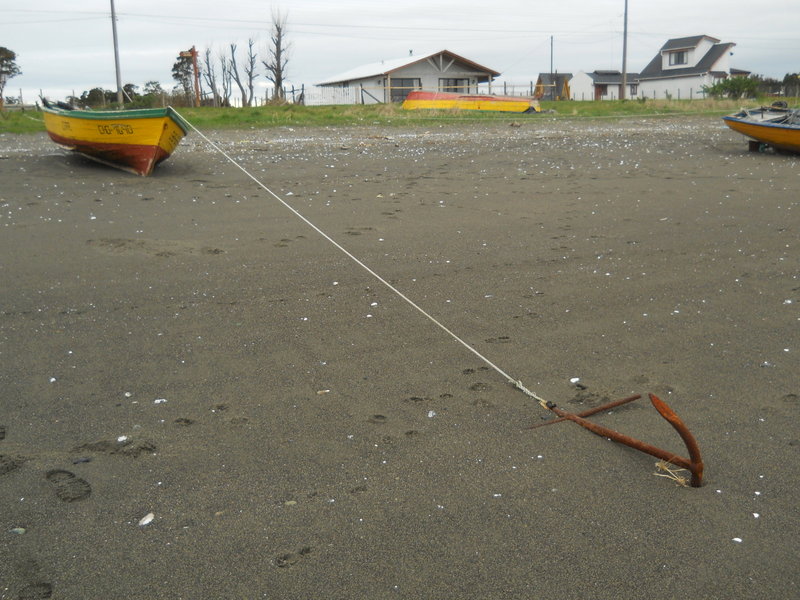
x=780 y=135
x=134 y=140
x=450 y=101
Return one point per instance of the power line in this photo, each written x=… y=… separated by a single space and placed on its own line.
x=257 y=23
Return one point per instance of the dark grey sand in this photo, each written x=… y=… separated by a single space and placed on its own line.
x=183 y=345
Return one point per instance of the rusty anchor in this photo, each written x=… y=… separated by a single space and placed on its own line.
x=694 y=464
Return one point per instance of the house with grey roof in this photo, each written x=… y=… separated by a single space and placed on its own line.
x=602 y=85
x=680 y=70
x=392 y=80
x=684 y=66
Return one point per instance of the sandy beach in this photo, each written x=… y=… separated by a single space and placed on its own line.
x=202 y=397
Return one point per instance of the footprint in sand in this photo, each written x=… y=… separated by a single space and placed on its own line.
x=289 y=559
x=36 y=591
x=161 y=248
x=35 y=586
x=129 y=447
x=68 y=486
x=473 y=371
x=417 y=399
x=9 y=463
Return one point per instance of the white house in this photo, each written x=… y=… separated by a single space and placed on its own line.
x=392 y=80
x=680 y=70
x=684 y=65
x=602 y=85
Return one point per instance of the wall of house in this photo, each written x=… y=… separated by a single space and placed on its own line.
x=430 y=74
x=681 y=88
x=581 y=86
x=723 y=63
x=612 y=92
x=363 y=91
x=372 y=90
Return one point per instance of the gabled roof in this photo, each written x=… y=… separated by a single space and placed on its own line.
x=687 y=43
x=550 y=78
x=387 y=67
x=612 y=77
x=654 y=69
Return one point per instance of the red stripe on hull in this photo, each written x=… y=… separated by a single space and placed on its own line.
x=138 y=158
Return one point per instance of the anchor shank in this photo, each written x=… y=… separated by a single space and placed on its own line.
x=591 y=411
x=625 y=439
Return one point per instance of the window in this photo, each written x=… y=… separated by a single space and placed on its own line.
x=401 y=87
x=634 y=90
x=458 y=86
x=678 y=58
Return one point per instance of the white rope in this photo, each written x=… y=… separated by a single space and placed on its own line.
x=515 y=382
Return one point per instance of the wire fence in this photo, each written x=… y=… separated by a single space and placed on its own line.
x=323 y=95
x=315 y=95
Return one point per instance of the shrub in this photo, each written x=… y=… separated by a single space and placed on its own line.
x=733 y=87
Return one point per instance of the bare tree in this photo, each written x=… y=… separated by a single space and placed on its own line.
x=277 y=54
x=209 y=72
x=225 y=79
x=249 y=67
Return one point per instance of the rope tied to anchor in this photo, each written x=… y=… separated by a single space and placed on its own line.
x=516 y=383
x=694 y=463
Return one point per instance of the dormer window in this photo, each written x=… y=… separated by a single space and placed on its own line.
x=678 y=58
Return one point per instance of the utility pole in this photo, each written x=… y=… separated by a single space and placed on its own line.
x=552 y=93
x=116 y=53
x=622 y=89
x=192 y=53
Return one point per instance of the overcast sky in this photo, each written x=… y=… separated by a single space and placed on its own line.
x=63 y=45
